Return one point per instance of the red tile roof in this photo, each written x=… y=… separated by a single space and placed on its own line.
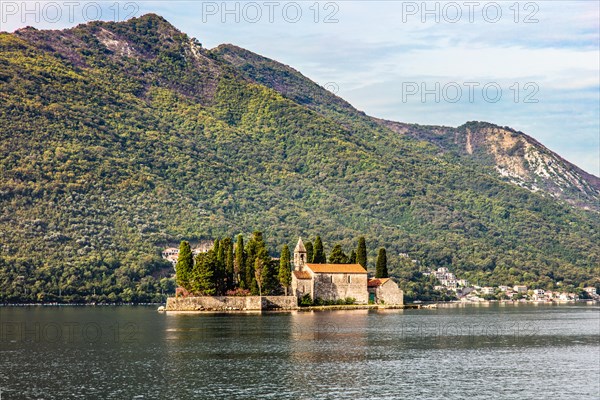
x=375 y=282
x=337 y=268
x=302 y=275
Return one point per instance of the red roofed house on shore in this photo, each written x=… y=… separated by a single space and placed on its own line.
x=385 y=291
x=330 y=281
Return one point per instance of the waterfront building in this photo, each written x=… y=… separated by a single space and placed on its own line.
x=384 y=291
x=332 y=282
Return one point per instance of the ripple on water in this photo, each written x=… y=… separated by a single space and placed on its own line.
x=449 y=353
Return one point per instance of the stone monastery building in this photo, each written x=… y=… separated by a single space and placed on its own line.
x=340 y=281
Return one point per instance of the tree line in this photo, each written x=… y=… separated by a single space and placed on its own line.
x=247 y=268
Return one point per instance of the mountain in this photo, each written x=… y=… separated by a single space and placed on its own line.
x=119 y=139
x=519 y=158
x=514 y=155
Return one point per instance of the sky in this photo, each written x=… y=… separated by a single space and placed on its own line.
x=531 y=65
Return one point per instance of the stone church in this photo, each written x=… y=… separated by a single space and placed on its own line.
x=330 y=281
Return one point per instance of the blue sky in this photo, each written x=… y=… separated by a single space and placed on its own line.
x=530 y=65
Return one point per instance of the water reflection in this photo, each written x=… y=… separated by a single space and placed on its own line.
x=440 y=353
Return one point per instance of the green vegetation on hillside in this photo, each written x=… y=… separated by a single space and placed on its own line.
x=109 y=155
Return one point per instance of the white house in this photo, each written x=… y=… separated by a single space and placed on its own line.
x=520 y=288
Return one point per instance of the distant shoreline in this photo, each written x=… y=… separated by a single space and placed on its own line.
x=504 y=302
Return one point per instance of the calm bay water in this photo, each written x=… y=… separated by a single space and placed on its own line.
x=496 y=351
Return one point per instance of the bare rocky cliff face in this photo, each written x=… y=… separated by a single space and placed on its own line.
x=528 y=163
x=517 y=157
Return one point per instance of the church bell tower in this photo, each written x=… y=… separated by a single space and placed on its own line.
x=299 y=255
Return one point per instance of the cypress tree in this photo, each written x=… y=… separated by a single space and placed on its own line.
x=381 y=266
x=203 y=276
x=269 y=273
x=240 y=262
x=255 y=248
x=361 y=252
x=337 y=255
x=185 y=263
x=229 y=264
x=352 y=259
x=285 y=268
x=220 y=274
x=319 y=253
x=258 y=274
x=216 y=246
x=309 y=251
x=220 y=251
x=250 y=251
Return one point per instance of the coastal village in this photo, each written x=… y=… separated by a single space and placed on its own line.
x=466 y=292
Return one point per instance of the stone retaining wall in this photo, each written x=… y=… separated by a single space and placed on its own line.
x=279 y=303
x=231 y=303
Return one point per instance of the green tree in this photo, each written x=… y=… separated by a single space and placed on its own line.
x=352 y=258
x=220 y=275
x=337 y=255
x=203 y=275
x=229 y=263
x=269 y=275
x=216 y=246
x=255 y=248
x=361 y=252
x=265 y=271
x=381 y=265
x=251 y=250
x=309 y=251
x=185 y=263
x=285 y=268
x=240 y=262
x=319 y=253
x=258 y=273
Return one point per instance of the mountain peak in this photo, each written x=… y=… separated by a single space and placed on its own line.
x=152 y=21
x=516 y=156
x=148 y=27
x=151 y=17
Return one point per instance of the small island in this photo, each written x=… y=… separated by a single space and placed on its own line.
x=245 y=278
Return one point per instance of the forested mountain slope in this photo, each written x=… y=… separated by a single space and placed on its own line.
x=117 y=139
x=514 y=155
